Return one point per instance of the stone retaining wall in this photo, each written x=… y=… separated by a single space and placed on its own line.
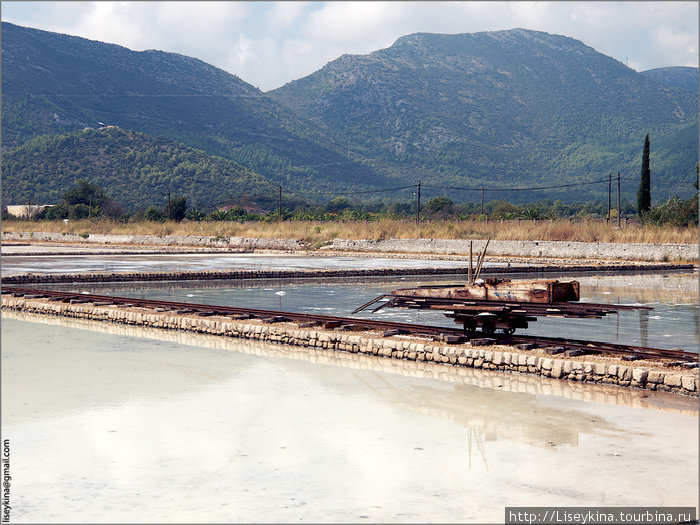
x=520 y=383
x=588 y=370
x=557 y=249
x=211 y=275
x=243 y=243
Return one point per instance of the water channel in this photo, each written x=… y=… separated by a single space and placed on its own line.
x=18 y=264
x=673 y=322
x=110 y=423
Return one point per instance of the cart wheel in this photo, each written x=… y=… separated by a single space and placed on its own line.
x=509 y=331
x=488 y=327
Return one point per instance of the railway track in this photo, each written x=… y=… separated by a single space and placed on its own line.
x=554 y=344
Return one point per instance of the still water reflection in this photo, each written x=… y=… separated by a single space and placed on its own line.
x=673 y=322
x=122 y=424
x=18 y=264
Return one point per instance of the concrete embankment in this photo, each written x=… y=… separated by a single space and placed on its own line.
x=588 y=369
x=554 y=249
x=239 y=243
x=210 y=275
x=548 y=249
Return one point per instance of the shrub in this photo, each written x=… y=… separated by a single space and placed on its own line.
x=78 y=211
x=154 y=214
x=675 y=211
x=439 y=207
x=176 y=209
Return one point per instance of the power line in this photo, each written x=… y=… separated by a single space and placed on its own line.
x=570 y=185
x=462 y=188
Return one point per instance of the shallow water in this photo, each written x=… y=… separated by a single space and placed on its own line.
x=124 y=424
x=673 y=322
x=18 y=264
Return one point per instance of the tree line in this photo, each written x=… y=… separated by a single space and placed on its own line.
x=89 y=200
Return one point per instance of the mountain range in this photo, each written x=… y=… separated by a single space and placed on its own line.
x=500 y=109
x=511 y=107
x=53 y=83
x=676 y=76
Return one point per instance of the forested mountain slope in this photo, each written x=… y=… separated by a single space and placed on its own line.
x=54 y=83
x=135 y=169
x=505 y=108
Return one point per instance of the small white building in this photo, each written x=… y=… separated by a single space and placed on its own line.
x=26 y=211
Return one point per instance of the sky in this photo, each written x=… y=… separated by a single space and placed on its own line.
x=268 y=44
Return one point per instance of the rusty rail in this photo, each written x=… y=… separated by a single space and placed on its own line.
x=335 y=322
x=562 y=309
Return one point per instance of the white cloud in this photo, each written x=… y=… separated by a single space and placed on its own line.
x=270 y=43
x=352 y=22
x=283 y=15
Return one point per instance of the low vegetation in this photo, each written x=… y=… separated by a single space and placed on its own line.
x=87 y=208
x=320 y=232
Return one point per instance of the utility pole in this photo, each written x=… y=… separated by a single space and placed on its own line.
x=279 y=213
x=482 y=201
x=469 y=276
x=609 y=193
x=619 y=211
x=418 y=206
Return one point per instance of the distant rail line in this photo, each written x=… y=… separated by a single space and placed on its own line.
x=555 y=344
x=206 y=275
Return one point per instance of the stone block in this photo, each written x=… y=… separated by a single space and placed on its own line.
x=689 y=383
x=655 y=376
x=624 y=373
x=557 y=368
x=672 y=380
x=639 y=375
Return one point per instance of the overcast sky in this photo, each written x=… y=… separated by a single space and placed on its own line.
x=270 y=43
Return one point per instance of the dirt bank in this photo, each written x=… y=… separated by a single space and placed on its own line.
x=407 y=247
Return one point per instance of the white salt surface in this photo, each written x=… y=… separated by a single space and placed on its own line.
x=121 y=424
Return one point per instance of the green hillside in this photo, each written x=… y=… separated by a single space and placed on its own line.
x=134 y=168
x=497 y=110
x=503 y=109
x=54 y=83
x=675 y=76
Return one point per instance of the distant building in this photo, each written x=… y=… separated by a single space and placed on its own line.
x=25 y=211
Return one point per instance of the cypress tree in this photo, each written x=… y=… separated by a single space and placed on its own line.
x=644 y=191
